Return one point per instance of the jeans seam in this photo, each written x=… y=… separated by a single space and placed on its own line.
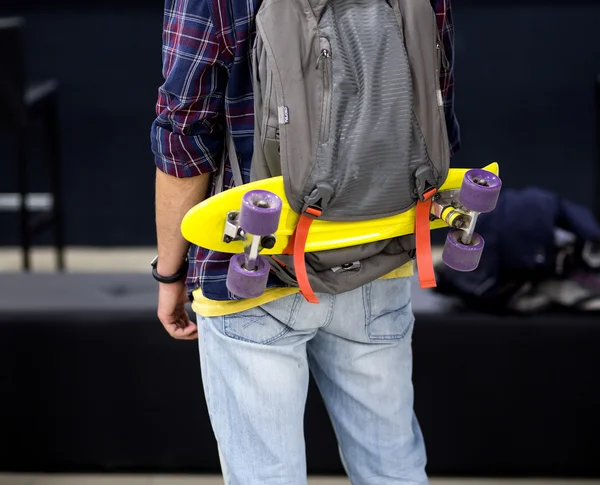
x=293 y=310
x=330 y=312
x=206 y=384
x=261 y=342
x=397 y=336
x=367 y=307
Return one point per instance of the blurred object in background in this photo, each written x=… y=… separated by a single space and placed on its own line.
x=21 y=104
x=542 y=253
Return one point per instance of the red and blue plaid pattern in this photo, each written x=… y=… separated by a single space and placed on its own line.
x=208 y=83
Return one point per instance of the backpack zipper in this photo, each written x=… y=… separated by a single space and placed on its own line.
x=324 y=54
x=325 y=59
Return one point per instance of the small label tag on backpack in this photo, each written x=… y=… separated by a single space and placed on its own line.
x=440 y=98
x=284 y=115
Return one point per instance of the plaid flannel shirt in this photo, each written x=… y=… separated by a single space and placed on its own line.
x=208 y=83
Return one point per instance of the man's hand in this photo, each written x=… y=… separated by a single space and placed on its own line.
x=172 y=312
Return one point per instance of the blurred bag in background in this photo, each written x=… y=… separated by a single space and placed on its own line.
x=541 y=252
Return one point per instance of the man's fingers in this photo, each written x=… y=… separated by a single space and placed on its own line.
x=192 y=336
x=178 y=331
x=184 y=321
x=180 y=320
x=184 y=331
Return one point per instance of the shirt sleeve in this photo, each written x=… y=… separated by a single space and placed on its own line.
x=187 y=133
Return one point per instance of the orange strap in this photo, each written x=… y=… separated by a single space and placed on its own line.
x=423 y=243
x=296 y=246
x=289 y=249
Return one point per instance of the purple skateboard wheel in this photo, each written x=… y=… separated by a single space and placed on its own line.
x=244 y=283
x=480 y=190
x=260 y=212
x=459 y=256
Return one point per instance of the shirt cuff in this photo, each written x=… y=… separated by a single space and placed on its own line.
x=183 y=155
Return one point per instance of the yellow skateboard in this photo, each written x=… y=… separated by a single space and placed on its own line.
x=256 y=218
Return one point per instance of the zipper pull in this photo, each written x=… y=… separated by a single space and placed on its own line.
x=323 y=54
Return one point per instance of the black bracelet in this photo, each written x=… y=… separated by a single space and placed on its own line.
x=181 y=273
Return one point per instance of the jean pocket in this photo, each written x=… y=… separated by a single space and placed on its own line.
x=389 y=309
x=262 y=325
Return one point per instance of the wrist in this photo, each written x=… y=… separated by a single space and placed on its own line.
x=167 y=268
x=165 y=274
x=171 y=288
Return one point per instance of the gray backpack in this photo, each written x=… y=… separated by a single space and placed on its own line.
x=348 y=108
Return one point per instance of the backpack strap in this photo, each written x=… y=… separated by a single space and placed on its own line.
x=314 y=205
x=425 y=191
x=233 y=159
x=234 y=162
x=423 y=243
x=296 y=247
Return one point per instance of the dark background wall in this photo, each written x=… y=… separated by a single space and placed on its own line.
x=525 y=77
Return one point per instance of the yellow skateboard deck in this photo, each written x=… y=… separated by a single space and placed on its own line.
x=204 y=224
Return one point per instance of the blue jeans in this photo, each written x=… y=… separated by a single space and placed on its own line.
x=255 y=372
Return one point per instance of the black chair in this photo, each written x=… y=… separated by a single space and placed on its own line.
x=21 y=103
